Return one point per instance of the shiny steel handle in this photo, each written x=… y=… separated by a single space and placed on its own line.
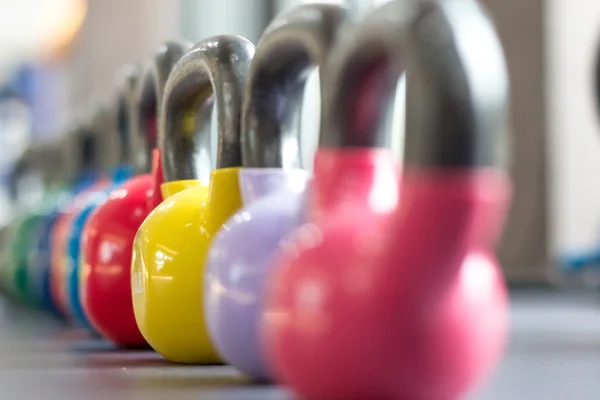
x=128 y=79
x=457 y=94
x=214 y=71
x=149 y=94
x=292 y=45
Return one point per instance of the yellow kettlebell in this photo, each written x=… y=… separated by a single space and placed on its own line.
x=172 y=244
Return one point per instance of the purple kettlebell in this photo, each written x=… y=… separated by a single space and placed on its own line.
x=271 y=182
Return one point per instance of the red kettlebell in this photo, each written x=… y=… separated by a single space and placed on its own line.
x=391 y=289
x=109 y=233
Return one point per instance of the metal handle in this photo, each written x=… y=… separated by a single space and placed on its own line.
x=53 y=163
x=103 y=125
x=457 y=117
x=213 y=71
x=128 y=80
x=86 y=145
x=148 y=98
x=44 y=158
x=292 y=45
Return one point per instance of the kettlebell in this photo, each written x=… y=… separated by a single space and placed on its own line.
x=271 y=183
x=89 y=180
x=5 y=237
x=390 y=289
x=70 y=183
x=43 y=218
x=30 y=165
x=120 y=168
x=108 y=235
x=172 y=244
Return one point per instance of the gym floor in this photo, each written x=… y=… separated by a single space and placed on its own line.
x=554 y=354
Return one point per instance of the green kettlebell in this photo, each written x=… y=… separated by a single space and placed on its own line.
x=35 y=203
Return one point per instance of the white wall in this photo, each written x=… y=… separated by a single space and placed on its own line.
x=573 y=32
x=117 y=32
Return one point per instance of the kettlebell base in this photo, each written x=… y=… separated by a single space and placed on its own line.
x=168 y=271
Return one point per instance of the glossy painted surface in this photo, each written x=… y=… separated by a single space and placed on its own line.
x=36 y=271
x=241 y=258
x=39 y=277
x=9 y=288
x=392 y=281
x=23 y=244
x=38 y=249
x=169 y=189
x=106 y=244
x=168 y=267
x=58 y=246
x=58 y=259
x=26 y=228
x=6 y=233
x=74 y=244
x=105 y=270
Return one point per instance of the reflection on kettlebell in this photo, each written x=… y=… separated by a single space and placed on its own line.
x=110 y=231
x=391 y=289
x=271 y=182
x=172 y=244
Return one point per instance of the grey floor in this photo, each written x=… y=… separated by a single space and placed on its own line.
x=554 y=354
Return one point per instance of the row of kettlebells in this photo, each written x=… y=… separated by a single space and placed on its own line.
x=363 y=279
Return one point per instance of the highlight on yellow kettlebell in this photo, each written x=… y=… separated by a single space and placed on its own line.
x=171 y=246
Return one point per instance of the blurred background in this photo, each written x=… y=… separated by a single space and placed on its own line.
x=58 y=56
